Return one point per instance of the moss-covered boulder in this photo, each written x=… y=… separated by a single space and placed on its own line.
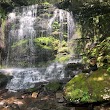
x=90 y=88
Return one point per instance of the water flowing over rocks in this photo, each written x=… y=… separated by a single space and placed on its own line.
x=28 y=77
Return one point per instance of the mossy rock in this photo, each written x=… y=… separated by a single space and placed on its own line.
x=53 y=86
x=85 y=88
x=45 y=42
x=3 y=80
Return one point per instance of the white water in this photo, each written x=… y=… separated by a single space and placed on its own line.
x=26 y=78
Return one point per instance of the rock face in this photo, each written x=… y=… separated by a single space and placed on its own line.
x=89 y=88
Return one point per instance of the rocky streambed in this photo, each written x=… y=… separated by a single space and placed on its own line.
x=44 y=97
x=82 y=92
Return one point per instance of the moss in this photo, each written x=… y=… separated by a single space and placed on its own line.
x=19 y=43
x=49 y=43
x=53 y=86
x=89 y=88
x=46 y=3
x=63 y=50
x=62 y=58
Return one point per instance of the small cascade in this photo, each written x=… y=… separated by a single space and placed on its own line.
x=26 y=78
x=55 y=70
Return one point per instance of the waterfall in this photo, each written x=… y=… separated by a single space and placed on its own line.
x=27 y=44
x=71 y=25
x=30 y=22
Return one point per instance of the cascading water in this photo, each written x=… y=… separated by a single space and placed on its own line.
x=26 y=78
x=27 y=44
